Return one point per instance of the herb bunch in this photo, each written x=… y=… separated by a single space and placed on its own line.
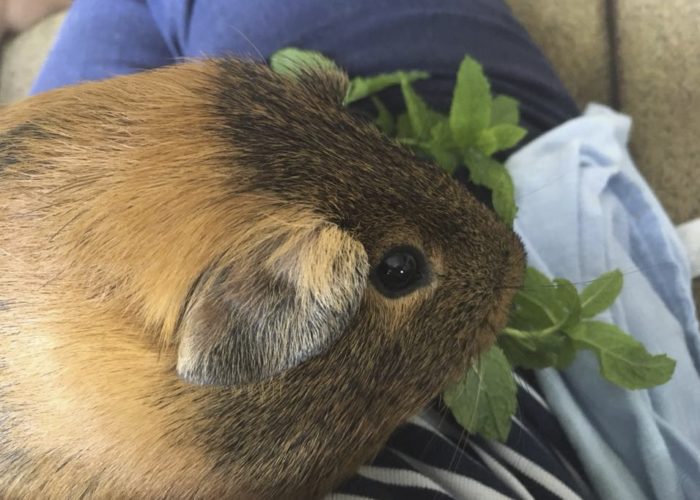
x=551 y=320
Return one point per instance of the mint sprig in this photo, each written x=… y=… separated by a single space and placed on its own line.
x=551 y=320
x=486 y=392
x=361 y=88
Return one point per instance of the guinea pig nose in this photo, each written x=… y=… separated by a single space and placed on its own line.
x=401 y=270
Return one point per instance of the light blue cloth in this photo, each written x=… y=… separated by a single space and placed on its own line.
x=585 y=210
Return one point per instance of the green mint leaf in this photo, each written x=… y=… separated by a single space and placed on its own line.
x=442 y=147
x=504 y=110
x=487 y=142
x=293 y=62
x=523 y=351
x=535 y=303
x=622 y=359
x=567 y=296
x=362 y=87
x=491 y=174
x=566 y=352
x=384 y=120
x=484 y=400
x=441 y=135
x=470 y=112
x=599 y=295
x=532 y=312
x=498 y=138
x=536 y=278
x=537 y=350
x=507 y=136
x=544 y=305
x=422 y=117
x=404 y=129
x=448 y=161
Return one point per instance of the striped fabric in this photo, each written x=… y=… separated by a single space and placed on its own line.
x=431 y=458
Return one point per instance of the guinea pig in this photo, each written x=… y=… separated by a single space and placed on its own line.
x=217 y=282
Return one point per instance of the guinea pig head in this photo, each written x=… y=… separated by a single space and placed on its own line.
x=284 y=284
x=381 y=240
x=390 y=281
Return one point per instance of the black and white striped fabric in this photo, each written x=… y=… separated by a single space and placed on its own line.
x=431 y=458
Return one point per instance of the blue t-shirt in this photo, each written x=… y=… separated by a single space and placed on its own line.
x=103 y=38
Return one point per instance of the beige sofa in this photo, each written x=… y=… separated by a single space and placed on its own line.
x=641 y=57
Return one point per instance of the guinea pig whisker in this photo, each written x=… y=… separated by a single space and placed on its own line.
x=462 y=439
x=250 y=42
x=628 y=272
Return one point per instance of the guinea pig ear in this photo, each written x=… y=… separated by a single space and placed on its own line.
x=319 y=75
x=259 y=316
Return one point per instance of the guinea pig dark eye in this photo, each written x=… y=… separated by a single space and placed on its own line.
x=401 y=270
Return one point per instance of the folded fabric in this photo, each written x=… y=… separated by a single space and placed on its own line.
x=584 y=209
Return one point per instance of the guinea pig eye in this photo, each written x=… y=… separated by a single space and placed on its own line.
x=401 y=270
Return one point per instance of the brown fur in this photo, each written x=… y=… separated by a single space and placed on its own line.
x=152 y=226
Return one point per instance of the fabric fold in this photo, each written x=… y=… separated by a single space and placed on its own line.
x=584 y=209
